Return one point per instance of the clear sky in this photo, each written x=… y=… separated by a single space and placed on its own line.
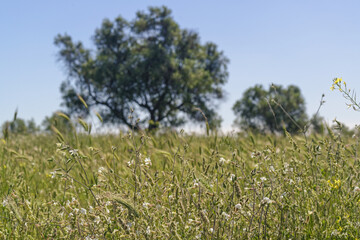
x=306 y=43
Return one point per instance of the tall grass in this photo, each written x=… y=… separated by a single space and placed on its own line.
x=179 y=186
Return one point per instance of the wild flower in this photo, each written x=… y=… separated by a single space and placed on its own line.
x=146 y=205
x=356 y=189
x=337 y=83
x=101 y=170
x=225 y=215
x=238 y=206
x=73 y=152
x=263 y=179
x=83 y=211
x=97 y=220
x=68 y=228
x=147 y=162
x=5 y=202
x=196 y=183
x=130 y=163
x=129 y=224
x=223 y=161
x=211 y=230
x=148 y=231
x=334 y=185
x=53 y=174
x=231 y=178
x=266 y=200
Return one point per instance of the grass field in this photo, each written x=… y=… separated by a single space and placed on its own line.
x=179 y=186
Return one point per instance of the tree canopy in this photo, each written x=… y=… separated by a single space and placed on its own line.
x=271 y=110
x=19 y=126
x=148 y=64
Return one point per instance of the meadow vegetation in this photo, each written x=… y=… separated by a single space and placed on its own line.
x=136 y=185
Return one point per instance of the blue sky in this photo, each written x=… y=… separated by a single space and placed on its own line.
x=305 y=43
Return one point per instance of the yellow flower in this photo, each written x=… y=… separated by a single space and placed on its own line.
x=338 y=181
x=332 y=88
x=338 y=80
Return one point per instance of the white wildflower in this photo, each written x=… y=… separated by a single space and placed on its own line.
x=238 y=206
x=226 y=216
x=263 y=179
x=196 y=184
x=53 y=174
x=129 y=224
x=266 y=200
x=91 y=209
x=83 y=211
x=356 y=189
x=148 y=231
x=5 y=202
x=283 y=195
x=130 y=163
x=101 y=169
x=67 y=228
x=223 y=161
x=211 y=230
x=97 y=220
x=198 y=236
x=73 y=152
x=335 y=233
x=272 y=168
x=146 y=205
x=231 y=178
x=147 y=162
